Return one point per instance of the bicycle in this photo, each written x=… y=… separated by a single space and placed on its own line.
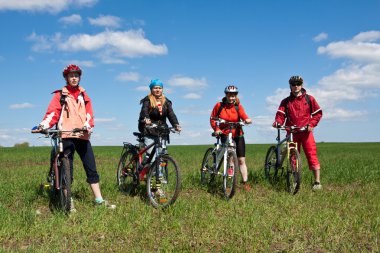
x=222 y=153
x=285 y=149
x=163 y=181
x=60 y=176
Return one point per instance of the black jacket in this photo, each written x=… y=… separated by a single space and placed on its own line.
x=154 y=115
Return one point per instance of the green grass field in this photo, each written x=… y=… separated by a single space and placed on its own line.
x=343 y=217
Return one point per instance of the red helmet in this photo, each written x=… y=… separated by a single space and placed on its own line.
x=71 y=68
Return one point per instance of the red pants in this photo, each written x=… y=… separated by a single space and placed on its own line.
x=306 y=140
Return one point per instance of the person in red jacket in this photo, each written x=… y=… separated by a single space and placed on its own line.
x=301 y=109
x=71 y=108
x=230 y=109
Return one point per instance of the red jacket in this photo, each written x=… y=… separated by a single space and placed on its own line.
x=299 y=111
x=228 y=113
x=75 y=113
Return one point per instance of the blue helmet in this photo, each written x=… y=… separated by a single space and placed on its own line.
x=156 y=82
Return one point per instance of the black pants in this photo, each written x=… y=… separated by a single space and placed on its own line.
x=240 y=144
x=84 y=149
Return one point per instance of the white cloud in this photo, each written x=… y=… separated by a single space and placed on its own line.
x=21 y=106
x=320 y=37
x=43 y=5
x=104 y=120
x=274 y=101
x=194 y=110
x=128 y=76
x=361 y=48
x=192 y=96
x=43 y=43
x=110 y=46
x=88 y=64
x=106 y=21
x=124 y=44
x=188 y=82
x=71 y=20
x=344 y=115
x=142 y=88
x=357 y=80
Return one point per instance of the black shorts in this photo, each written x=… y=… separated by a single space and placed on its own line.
x=240 y=144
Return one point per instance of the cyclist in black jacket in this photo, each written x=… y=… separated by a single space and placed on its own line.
x=155 y=109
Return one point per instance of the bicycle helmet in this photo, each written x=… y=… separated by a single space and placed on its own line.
x=231 y=89
x=295 y=79
x=71 y=68
x=156 y=82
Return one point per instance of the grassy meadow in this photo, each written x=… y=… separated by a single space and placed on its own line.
x=343 y=217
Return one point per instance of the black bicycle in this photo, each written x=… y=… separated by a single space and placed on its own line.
x=59 y=176
x=158 y=169
x=284 y=159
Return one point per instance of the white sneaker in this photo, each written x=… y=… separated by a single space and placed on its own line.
x=317 y=186
x=72 y=207
x=106 y=204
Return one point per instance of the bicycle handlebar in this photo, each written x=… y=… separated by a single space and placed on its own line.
x=161 y=127
x=36 y=130
x=222 y=121
x=293 y=128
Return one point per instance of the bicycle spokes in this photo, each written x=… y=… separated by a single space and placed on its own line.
x=163 y=189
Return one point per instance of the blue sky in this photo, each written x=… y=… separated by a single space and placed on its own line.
x=196 y=48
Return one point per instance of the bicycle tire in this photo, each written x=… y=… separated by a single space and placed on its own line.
x=64 y=191
x=230 y=180
x=126 y=173
x=164 y=191
x=294 y=172
x=207 y=166
x=270 y=169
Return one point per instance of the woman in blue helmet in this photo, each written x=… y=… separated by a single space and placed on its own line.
x=155 y=109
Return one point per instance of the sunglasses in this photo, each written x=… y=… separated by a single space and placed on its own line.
x=296 y=84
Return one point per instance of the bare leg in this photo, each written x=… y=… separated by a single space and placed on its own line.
x=243 y=169
x=317 y=177
x=96 y=190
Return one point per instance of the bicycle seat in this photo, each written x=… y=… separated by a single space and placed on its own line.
x=215 y=135
x=137 y=134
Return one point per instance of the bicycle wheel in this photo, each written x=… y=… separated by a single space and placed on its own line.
x=163 y=190
x=126 y=177
x=293 y=172
x=64 y=191
x=270 y=169
x=207 y=166
x=230 y=178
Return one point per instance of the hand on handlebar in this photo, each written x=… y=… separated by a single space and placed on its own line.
x=38 y=129
x=276 y=124
x=178 y=128
x=248 y=121
x=218 y=132
x=147 y=121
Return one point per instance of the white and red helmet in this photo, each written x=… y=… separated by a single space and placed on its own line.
x=231 y=89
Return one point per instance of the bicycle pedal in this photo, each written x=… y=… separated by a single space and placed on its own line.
x=163 y=200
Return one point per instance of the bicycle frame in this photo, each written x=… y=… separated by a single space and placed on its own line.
x=290 y=144
x=56 y=141
x=155 y=153
x=229 y=144
x=57 y=145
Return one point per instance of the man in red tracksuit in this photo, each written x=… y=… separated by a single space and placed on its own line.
x=301 y=109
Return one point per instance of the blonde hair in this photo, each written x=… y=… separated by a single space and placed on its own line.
x=153 y=100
